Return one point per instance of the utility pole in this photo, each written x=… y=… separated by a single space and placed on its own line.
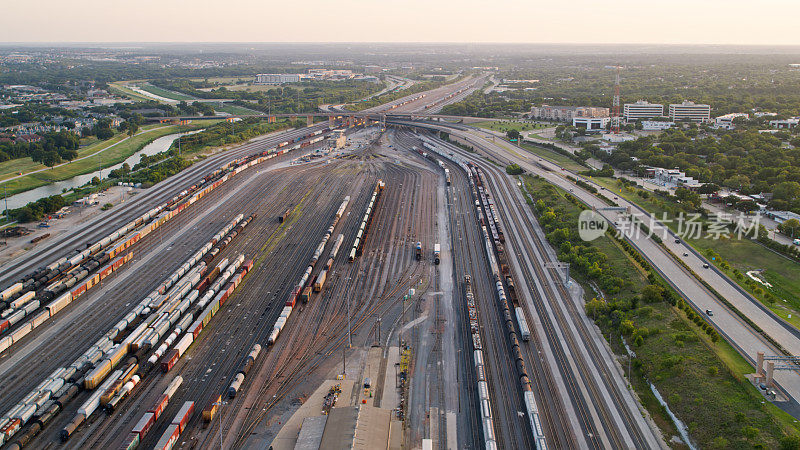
x=344 y=362
x=615 y=106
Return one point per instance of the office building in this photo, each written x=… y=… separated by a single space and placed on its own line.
x=591 y=123
x=641 y=110
x=690 y=111
x=726 y=122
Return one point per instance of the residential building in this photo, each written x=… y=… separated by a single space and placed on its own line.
x=591 y=123
x=785 y=123
x=641 y=110
x=277 y=78
x=566 y=113
x=654 y=125
x=725 y=122
x=691 y=111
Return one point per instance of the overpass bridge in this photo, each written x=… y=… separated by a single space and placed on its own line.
x=350 y=117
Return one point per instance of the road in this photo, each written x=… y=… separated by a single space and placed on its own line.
x=730 y=325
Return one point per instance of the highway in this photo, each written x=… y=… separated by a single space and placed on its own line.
x=730 y=325
x=579 y=390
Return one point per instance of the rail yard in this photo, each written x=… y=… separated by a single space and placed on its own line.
x=206 y=312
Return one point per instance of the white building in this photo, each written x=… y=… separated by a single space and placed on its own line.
x=566 y=113
x=277 y=78
x=672 y=178
x=641 y=110
x=689 y=111
x=726 y=122
x=653 y=125
x=591 y=123
x=617 y=138
x=785 y=123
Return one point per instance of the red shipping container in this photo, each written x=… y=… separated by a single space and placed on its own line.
x=80 y=290
x=248 y=264
x=3 y=325
x=159 y=407
x=197 y=329
x=144 y=424
x=169 y=360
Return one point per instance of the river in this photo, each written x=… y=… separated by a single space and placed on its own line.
x=23 y=198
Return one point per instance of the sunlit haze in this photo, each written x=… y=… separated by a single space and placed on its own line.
x=576 y=21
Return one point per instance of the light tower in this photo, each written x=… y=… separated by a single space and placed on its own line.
x=615 y=106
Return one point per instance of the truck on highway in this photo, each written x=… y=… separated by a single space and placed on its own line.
x=436 y=253
x=419 y=250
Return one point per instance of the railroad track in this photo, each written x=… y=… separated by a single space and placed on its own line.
x=533 y=246
x=505 y=393
x=254 y=198
x=93 y=229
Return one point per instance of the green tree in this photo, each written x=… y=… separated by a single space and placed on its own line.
x=512 y=134
x=790 y=227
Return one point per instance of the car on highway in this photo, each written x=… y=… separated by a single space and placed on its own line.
x=685 y=253
x=705 y=266
x=709 y=313
x=677 y=241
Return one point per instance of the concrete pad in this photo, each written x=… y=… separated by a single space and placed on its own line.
x=390 y=398
x=287 y=437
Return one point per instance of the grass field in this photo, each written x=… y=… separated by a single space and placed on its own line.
x=558 y=158
x=251 y=87
x=90 y=146
x=114 y=155
x=743 y=255
x=703 y=382
x=172 y=95
x=119 y=88
x=507 y=125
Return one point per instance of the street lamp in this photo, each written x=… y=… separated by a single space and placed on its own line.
x=220 y=404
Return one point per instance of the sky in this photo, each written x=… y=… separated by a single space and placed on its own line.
x=738 y=22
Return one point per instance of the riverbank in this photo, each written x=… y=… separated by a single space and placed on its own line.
x=96 y=156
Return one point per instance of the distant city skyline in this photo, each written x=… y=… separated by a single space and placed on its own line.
x=735 y=22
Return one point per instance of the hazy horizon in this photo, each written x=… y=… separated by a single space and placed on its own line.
x=680 y=22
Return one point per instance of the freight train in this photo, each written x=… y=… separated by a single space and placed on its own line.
x=363 y=230
x=494 y=246
x=302 y=291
